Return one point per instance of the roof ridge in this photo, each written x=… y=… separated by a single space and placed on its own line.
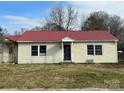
x=69 y=31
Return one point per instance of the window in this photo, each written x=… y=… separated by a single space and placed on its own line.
x=90 y=49
x=94 y=49
x=98 y=49
x=34 y=50
x=42 y=50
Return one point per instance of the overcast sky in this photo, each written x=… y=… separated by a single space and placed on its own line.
x=16 y=15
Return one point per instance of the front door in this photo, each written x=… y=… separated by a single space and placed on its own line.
x=67 y=52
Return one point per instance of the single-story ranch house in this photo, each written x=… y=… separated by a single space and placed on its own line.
x=60 y=47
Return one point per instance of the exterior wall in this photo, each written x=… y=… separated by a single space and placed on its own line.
x=109 y=53
x=79 y=53
x=5 y=53
x=53 y=53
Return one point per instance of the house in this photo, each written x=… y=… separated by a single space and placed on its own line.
x=61 y=46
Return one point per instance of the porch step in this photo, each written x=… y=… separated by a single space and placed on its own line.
x=67 y=61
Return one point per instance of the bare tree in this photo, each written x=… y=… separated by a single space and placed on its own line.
x=115 y=25
x=19 y=32
x=71 y=17
x=62 y=18
x=56 y=16
x=82 y=20
x=52 y=27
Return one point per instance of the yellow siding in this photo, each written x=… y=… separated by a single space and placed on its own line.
x=109 y=53
x=53 y=54
x=79 y=53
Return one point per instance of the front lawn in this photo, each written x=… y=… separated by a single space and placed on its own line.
x=59 y=76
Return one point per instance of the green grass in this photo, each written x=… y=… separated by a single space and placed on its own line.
x=58 y=76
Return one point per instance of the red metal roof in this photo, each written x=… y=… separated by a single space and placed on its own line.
x=13 y=37
x=57 y=36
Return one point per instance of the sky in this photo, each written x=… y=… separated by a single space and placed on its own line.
x=15 y=15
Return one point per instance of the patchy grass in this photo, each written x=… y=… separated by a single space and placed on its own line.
x=56 y=76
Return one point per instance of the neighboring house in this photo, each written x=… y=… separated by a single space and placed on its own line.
x=61 y=46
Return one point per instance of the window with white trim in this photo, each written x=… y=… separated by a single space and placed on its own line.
x=98 y=49
x=42 y=50
x=90 y=49
x=34 y=50
x=94 y=49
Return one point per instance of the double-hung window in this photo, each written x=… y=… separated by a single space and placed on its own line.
x=98 y=50
x=34 y=50
x=38 y=50
x=42 y=50
x=90 y=49
x=94 y=49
